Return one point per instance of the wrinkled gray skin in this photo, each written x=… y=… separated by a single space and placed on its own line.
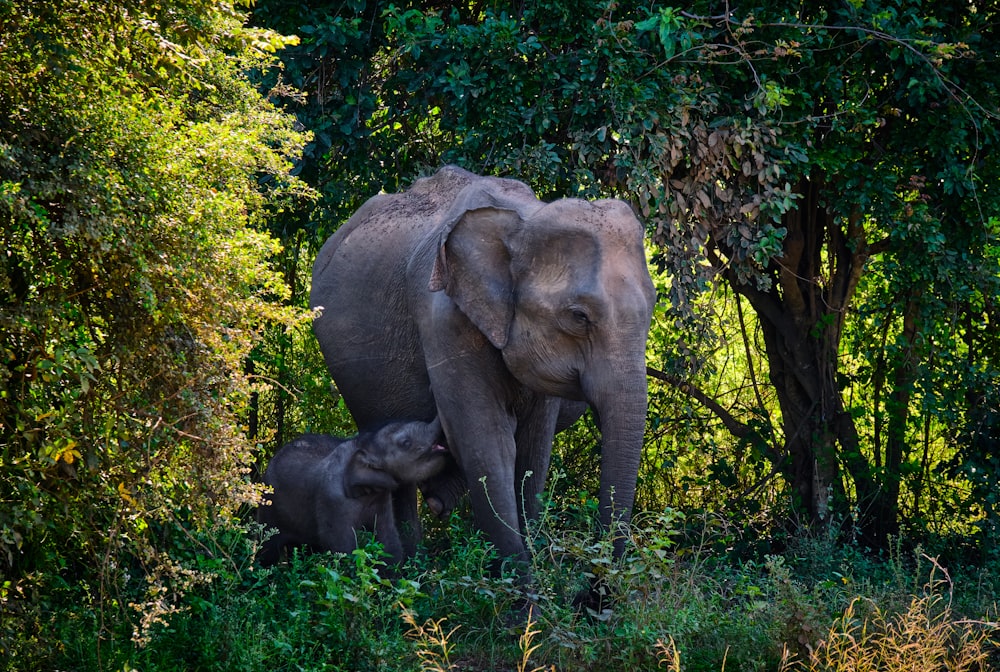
x=516 y=314
x=326 y=488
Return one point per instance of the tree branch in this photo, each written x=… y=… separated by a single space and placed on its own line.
x=740 y=430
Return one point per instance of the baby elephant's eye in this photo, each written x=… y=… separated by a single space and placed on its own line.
x=580 y=316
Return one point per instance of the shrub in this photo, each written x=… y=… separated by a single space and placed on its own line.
x=138 y=167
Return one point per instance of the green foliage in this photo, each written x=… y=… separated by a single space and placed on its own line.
x=340 y=612
x=138 y=167
x=331 y=81
x=219 y=612
x=977 y=460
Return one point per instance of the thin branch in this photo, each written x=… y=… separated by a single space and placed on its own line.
x=948 y=84
x=739 y=429
x=746 y=348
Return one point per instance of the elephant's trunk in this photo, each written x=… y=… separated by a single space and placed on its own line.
x=620 y=401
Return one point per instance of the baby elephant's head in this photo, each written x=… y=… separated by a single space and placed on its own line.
x=410 y=451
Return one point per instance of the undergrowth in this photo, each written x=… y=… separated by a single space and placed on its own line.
x=672 y=603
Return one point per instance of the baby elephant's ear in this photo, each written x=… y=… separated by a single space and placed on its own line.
x=365 y=480
x=364 y=476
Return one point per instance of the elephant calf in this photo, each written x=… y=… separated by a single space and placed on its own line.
x=326 y=488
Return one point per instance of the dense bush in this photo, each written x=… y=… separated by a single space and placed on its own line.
x=138 y=166
x=686 y=607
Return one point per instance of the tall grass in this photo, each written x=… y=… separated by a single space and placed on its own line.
x=927 y=635
x=673 y=603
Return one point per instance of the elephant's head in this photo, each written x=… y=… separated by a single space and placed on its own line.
x=399 y=452
x=563 y=291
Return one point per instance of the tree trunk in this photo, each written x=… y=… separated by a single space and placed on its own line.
x=805 y=391
x=802 y=316
x=882 y=517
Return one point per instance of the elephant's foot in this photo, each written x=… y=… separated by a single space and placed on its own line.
x=443 y=492
x=436 y=506
x=524 y=614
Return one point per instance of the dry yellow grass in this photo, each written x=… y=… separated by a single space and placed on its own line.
x=923 y=638
x=434 y=649
x=867 y=637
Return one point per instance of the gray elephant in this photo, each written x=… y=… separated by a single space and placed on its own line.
x=468 y=298
x=326 y=488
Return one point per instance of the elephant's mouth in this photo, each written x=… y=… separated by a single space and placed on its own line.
x=565 y=387
x=438 y=448
x=550 y=381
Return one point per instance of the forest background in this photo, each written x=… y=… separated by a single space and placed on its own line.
x=820 y=188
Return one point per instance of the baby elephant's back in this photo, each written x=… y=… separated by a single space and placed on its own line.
x=299 y=468
x=296 y=456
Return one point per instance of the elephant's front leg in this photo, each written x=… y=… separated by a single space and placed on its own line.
x=486 y=452
x=388 y=534
x=479 y=423
x=338 y=521
x=404 y=510
x=535 y=428
x=477 y=399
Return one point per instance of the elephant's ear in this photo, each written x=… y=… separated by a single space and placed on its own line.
x=473 y=264
x=473 y=268
x=363 y=477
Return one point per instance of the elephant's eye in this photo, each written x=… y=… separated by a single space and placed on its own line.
x=576 y=319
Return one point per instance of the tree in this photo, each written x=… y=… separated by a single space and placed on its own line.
x=138 y=166
x=890 y=107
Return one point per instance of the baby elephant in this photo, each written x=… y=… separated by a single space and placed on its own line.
x=326 y=487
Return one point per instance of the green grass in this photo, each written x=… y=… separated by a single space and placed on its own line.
x=674 y=605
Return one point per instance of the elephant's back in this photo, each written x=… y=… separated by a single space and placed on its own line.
x=297 y=472
x=366 y=329
x=377 y=240
x=298 y=460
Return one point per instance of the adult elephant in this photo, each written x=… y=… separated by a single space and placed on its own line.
x=468 y=298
